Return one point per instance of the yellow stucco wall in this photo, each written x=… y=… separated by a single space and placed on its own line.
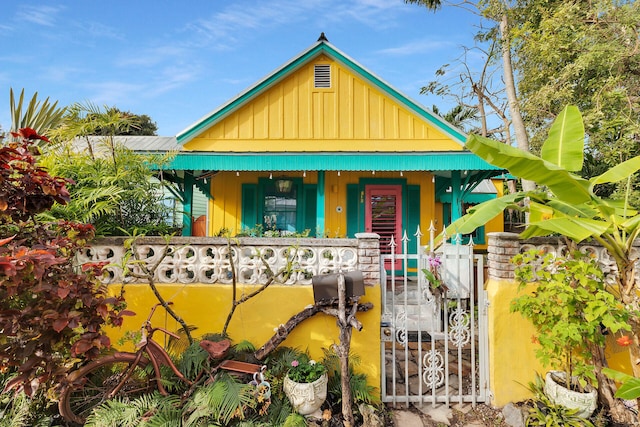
x=207 y=307
x=512 y=361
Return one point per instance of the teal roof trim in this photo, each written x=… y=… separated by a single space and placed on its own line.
x=317 y=49
x=434 y=161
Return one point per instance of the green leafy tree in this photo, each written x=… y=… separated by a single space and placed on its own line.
x=556 y=53
x=591 y=63
x=567 y=204
x=582 y=53
x=141 y=125
x=113 y=188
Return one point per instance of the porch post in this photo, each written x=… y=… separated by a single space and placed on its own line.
x=320 y=205
x=456 y=196
x=187 y=204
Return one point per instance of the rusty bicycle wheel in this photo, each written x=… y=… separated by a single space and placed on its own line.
x=94 y=383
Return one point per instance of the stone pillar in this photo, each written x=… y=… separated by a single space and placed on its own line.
x=369 y=257
x=502 y=247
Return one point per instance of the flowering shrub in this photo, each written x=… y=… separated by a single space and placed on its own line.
x=302 y=371
x=570 y=309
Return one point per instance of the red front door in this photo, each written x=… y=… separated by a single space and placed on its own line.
x=383 y=215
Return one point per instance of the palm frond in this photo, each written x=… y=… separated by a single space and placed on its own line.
x=221 y=401
x=145 y=409
x=244 y=347
x=194 y=359
x=361 y=391
x=177 y=346
x=40 y=116
x=279 y=409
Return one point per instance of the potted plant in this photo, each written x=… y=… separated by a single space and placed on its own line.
x=570 y=309
x=306 y=385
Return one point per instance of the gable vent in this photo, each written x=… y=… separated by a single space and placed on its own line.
x=322 y=76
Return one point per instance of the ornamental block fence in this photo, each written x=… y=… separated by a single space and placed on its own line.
x=503 y=246
x=207 y=260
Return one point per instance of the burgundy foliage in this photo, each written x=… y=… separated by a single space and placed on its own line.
x=50 y=310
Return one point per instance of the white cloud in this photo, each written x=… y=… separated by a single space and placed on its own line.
x=114 y=92
x=39 y=15
x=172 y=78
x=98 y=30
x=151 y=57
x=416 y=47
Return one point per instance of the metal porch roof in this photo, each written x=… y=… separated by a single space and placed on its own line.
x=415 y=161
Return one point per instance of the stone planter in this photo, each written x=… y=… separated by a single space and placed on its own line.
x=585 y=402
x=306 y=398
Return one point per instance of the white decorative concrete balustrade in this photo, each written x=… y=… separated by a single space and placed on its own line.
x=503 y=246
x=255 y=260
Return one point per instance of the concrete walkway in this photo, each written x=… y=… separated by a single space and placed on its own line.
x=464 y=416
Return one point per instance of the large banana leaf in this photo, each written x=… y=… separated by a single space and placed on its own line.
x=565 y=144
x=563 y=184
x=577 y=229
x=569 y=209
x=480 y=214
x=617 y=173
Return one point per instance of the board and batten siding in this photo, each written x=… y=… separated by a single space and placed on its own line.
x=292 y=115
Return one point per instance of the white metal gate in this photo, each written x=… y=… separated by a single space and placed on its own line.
x=434 y=338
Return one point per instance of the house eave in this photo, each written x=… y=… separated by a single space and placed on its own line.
x=289 y=161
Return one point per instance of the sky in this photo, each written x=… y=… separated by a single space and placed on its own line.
x=178 y=60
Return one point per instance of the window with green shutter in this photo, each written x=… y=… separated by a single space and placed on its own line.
x=274 y=204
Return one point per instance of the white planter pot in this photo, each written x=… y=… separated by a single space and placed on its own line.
x=585 y=402
x=306 y=398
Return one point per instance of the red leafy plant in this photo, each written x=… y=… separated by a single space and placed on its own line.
x=52 y=312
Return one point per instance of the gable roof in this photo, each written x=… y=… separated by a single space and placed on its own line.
x=321 y=47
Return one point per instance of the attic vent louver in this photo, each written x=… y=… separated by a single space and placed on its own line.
x=322 y=76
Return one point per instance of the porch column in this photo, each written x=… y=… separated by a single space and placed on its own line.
x=320 y=205
x=456 y=196
x=187 y=203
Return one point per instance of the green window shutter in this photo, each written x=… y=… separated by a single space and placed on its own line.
x=309 y=202
x=249 y=206
x=412 y=221
x=353 y=210
x=412 y=208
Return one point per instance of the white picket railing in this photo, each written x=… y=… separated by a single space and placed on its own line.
x=434 y=339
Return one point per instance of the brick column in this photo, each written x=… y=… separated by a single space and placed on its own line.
x=369 y=257
x=502 y=247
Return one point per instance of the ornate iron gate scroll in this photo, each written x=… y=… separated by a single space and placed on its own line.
x=434 y=338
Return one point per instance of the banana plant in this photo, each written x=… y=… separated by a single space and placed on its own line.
x=565 y=204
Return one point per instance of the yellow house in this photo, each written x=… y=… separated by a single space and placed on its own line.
x=322 y=144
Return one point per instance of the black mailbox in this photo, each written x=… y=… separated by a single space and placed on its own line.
x=325 y=286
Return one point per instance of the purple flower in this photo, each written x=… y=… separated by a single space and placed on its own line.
x=295 y=363
x=434 y=262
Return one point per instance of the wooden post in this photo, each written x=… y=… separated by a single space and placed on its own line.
x=344 y=322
